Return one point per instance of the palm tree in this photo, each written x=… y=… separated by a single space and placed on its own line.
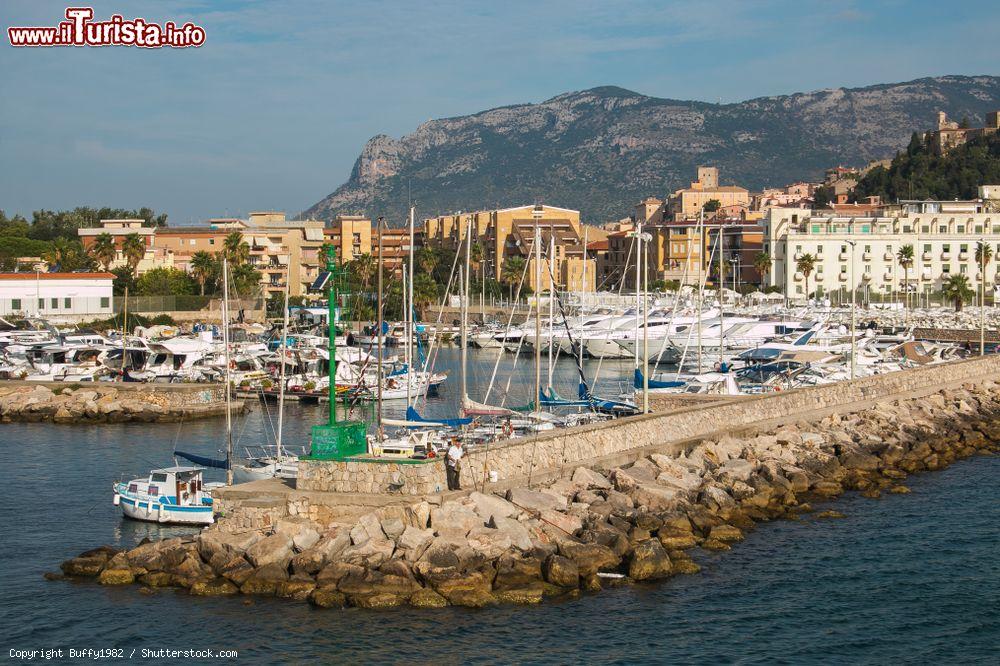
x=984 y=252
x=236 y=249
x=104 y=250
x=364 y=268
x=956 y=289
x=762 y=263
x=202 y=267
x=905 y=258
x=513 y=267
x=427 y=259
x=133 y=249
x=805 y=265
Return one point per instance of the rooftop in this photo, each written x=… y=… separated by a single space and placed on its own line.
x=57 y=276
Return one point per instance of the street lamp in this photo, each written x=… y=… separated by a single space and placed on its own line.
x=854 y=296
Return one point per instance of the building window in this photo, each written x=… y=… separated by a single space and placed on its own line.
x=925 y=229
x=105 y=302
x=15 y=304
x=41 y=301
x=979 y=228
x=961 y=228
x=67 y=303
x=55 y=303
x=963 y=269
x=211 y=241
x=942 y=229
x=946 y=248
x=927 y=248
x=963 y=247
x=868 y=249
x=866 y=228
x=907 y=228
x=946 y=269
x=819 y=250
x=868 y=268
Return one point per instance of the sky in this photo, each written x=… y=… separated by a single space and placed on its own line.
x=272 y=111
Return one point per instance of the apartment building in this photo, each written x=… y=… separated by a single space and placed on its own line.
x=509 y=232
x=119 y=230
x=861 y=251
x=280 y=248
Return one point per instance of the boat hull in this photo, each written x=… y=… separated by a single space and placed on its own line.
x=164 y=513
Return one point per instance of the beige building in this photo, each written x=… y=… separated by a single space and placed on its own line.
x=509 y=232
x=687 y=203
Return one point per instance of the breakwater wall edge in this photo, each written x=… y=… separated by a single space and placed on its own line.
x=605 y=523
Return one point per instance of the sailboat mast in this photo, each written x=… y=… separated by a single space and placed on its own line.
x=406 y=333
x=638 y=288
x=722 y=310
x=552 y=300
x=379 y=335
x=583 y=292
x=701 y=262
x=410 y=324
x=465 y=305
x=644 y=257
x=229 y=397
x=281 y=389
x=538 y=312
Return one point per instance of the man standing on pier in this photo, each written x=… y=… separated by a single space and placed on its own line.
x=453 y=464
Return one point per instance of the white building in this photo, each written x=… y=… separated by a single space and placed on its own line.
x=861 y=251
x=56 y=294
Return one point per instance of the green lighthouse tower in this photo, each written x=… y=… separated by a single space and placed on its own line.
x=336 y=440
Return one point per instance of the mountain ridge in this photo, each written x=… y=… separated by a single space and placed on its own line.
x=602 y=149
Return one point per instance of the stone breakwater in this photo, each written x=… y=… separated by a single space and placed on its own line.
x=578 y=534
x=111 y=403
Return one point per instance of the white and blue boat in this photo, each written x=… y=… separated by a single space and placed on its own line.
x=174 y=495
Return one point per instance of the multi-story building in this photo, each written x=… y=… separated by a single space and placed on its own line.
x=509 y=232
x=56 y=294
x=281 y=249
x=119 y=230
x=687 y=203
x=862 y=251
x=351 y=236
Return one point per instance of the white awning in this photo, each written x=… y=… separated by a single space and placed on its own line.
x=314 y=234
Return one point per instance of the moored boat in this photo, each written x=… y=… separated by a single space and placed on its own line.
x=173 y=495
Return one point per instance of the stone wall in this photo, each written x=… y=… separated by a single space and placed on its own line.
x=417 y=478
x=523 y=460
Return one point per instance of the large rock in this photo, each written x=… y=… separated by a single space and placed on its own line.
x=264 y=581
x=488 y=506
x=567 y=523
x=214 y=587
x=518 y=534
x=327 y=597
x=589 y=557
x=860 y=461
x=536 y=500
x=462 y=588
x=367 y=527
x=413 y=542
x=649 y=561
x=517 y=572
x=735 y=469
x=418 y=515
x=588 y=478
x=488 y=542
x=657 y=498
x=213 y=543
x=313 y=560
x=275 y=549
x=717 y=499
x=562 y=571
x=393 y=527
x=370 y=554
x=453 y=519
x=626 y=480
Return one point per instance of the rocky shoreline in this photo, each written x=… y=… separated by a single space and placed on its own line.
x=578 y=534
x=107 y=403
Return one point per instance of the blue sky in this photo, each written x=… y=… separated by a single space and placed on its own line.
x=272 y=111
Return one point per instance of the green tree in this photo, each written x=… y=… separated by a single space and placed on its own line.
x=427 y=259
x=823 y=196
x=124 y=278
x=984 y=253
x=204 y=267
x=806 y=264
x=13 y=226
x=244 y=281
x=425 y=292
x=133 y=249
x=104 y=250
x=762 y=264
x=712 y=205
x=236 y=249
x=510 y=275
x=905 y=257
x=68 y=255
x=165 y=282
x=956 y=289
x=363 y=269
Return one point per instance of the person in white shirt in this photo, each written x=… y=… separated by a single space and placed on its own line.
x=453 y=464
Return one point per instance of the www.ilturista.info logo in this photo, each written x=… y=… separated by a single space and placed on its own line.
x=80 y=30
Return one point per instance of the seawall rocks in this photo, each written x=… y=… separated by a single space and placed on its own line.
x=588 y=530
x=108 y=403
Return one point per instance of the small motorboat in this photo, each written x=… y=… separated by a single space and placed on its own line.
x=174 y=495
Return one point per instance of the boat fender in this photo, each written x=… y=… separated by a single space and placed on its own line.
x=117 y=500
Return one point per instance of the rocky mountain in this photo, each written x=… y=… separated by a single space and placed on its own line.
x=602 y=150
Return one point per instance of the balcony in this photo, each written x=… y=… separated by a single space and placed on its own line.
x=843 y=256
x=866 y=256
x=887 y=256
x=797 y=256
x=867 y=277
x=926 y=274
x=887 y=277
x=963 y=256
x=798 y=277
x=926 y=256
x=842 y=277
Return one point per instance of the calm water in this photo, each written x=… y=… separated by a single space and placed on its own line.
x=911 y=578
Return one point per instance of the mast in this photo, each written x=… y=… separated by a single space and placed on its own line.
x=124 y=332
x=379 y=336
x=537 y=214
x=643 y=257
x=466 y=277
x=463 y=290
x=722 y=310
x=583 y=292
x=410 y=327
x=225 y=345
x=638 y=288
x=281 y=389
x=701 y=265
x=552 y=300
x=406 y=333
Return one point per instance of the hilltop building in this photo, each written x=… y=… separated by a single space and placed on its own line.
x=949 y=134
x=687 y=203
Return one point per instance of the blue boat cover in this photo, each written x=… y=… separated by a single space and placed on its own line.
x=413 y=415
x=203 y=460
